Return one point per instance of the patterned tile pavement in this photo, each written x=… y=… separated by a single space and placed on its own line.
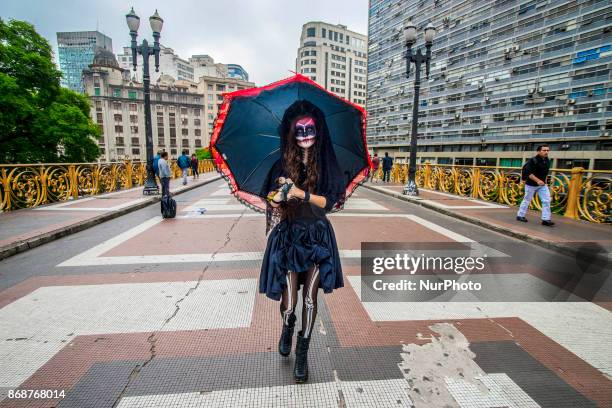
x=145 y=312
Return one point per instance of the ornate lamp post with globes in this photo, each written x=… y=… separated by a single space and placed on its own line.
x=418 y=58
x=133 y=22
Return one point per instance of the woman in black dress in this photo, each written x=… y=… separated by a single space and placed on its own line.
x=301 y=249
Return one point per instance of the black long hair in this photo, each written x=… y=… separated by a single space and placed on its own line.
x=323 y=175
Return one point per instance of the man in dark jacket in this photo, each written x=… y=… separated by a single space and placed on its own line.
x=534 y=173
x=387 y=164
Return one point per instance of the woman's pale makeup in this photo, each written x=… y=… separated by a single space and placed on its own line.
x=305 y=132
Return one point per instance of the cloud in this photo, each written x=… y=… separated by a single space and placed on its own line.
x=261 y=35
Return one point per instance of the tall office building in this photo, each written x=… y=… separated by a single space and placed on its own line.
x=76 y=51
x=169 y=64
x=205 y=65
x=335 y=58
x=505 y=77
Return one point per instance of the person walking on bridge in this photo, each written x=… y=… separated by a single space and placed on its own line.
x=534 y=173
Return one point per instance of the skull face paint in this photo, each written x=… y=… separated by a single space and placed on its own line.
x=305 y=132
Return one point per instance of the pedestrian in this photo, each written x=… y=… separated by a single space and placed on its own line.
x=302 y=186
x=375 y=165
x=194 y=166
x=184 y=163
x=534 y=173
x=387 y=164
x=155 y=163
x=164 y=173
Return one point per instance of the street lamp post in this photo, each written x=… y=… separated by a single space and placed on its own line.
x=417 y=58
x=133 y=22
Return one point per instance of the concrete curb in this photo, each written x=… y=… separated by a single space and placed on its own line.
x=33 y=242
x=560 y=248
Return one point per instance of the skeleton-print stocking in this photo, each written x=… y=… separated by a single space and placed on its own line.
x=289 y=297
x=309 y=294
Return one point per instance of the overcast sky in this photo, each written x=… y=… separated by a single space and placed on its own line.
x=260 y=35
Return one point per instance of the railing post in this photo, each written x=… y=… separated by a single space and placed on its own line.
x=501 y=186
x=573 y=193
x=74 y=183
x=427 y=176
x=128 y=174
x=476 y=182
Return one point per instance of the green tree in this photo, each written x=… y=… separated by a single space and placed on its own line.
x=39 y=120
x=203 y=154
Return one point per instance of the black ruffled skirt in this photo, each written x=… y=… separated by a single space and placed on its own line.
x=297 y=246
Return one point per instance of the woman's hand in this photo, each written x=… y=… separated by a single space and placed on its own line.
x=295 y=192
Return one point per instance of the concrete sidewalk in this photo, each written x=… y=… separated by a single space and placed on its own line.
x=567 y=235
x=27 y=228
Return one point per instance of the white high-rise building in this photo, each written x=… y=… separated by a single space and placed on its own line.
x=334 y=57
x=169 y=64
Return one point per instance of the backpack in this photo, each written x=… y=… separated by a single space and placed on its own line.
x=168 y=207
x=183 y=162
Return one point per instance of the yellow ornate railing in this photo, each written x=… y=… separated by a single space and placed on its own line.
x=30 y=185
x=576 y=193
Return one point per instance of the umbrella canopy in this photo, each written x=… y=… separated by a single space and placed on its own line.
x=246 y=141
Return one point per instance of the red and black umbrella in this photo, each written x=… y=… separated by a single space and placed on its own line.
x=245 y=143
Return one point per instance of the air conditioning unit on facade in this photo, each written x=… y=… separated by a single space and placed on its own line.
x=571 y=101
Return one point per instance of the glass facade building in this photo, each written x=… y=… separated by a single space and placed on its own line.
x=506 y=75
x=236 y=71
x=76 y=51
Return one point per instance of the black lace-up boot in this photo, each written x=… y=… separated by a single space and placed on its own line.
x=300 y=371
x=284 y=344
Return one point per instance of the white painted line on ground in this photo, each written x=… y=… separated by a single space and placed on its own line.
x=375 y=393
x=363 y=204
x=94 y=256
x=49 y=318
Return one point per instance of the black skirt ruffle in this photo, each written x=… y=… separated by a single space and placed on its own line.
x=297 y=246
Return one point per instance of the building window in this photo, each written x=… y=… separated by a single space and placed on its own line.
x=185 y=132
x=220 y=87
x=310 y=32
x=323 y=33
x=196 y=111
x=185 y=142
x=136 y=150
x=117 y=92
x=134 y=129
x=196 y=122
x=133 y=107
x=118 y=129
x=132 y=94
x=210 y=87
x=198 y=132
x=118 y=117
x=183 y=111
x=97 y=91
